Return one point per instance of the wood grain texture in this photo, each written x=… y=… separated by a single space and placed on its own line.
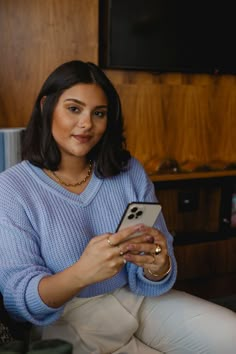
x=36 y=37
x=144 y=120
x=206 y=259
x=179 y=116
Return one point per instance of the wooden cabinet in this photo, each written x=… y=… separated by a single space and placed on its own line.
x=205 y=243
x=197 y=206
x=207 y=269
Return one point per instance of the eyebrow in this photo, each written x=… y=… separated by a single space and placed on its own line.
x=82 y=103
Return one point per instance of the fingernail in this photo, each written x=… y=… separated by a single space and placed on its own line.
x=138 y=227
x=130 y=247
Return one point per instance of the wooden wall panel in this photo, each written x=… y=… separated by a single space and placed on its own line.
x=223 y=122
x=193 y=117
x=144 y=119
x=187 y=132
x=36 y=36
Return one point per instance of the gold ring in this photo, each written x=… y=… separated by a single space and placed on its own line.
x=110 y=242
x=158 y=250
x=121 y=252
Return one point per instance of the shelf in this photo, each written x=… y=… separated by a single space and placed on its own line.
x=197 y=206
x=191 y=175
x=196 y=237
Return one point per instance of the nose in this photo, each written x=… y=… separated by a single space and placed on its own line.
x=85 y=120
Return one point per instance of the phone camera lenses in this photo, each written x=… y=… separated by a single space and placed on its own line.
x=130 y=216
x=139 y=213
x=134 y=209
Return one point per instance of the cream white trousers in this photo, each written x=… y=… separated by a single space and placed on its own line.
x=123 y=323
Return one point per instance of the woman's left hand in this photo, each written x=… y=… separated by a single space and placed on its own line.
x=152 y=256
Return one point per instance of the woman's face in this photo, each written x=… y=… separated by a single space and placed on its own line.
x=79 y=119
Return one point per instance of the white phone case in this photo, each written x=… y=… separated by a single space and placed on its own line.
x=139 y=213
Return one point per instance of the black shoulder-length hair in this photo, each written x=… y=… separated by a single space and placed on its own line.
x=39 y=146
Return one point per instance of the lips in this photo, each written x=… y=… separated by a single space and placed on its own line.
x=82 y=138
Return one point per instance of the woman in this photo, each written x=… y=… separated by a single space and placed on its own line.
x=63 y=265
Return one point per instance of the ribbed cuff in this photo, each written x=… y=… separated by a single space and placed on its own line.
x=36 y=307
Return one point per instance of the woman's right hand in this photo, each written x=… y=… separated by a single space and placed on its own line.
x=103 y=258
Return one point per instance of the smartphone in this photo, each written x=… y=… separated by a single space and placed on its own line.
x=139 y=213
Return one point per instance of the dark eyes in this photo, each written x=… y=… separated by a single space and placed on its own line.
x=100 y=114
x=74 y=109
x=96 y=113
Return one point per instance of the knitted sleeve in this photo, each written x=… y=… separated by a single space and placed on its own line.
x=21 y=265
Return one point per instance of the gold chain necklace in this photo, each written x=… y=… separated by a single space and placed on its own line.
x=59 y=180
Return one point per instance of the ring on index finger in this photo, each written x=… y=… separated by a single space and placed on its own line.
x=110 y=243
x=120 y=251
x=158 y=250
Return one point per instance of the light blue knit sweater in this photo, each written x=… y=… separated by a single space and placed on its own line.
x=44 y=229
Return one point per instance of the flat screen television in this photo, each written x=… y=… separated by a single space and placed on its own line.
x=189 y=36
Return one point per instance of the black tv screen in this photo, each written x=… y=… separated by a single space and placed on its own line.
x=189 y=36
